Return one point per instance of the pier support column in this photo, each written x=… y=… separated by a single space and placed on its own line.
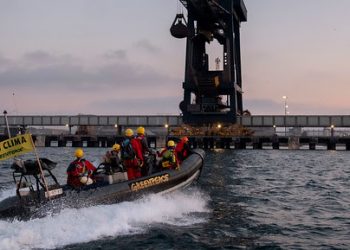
x=275 y=145
x=257 y=144
x=77 y=144
x=47 y=141
x=228 y=143
x=193 y=142
x=331 y=145
x=275 y=142
x=92 y=144
x=62 y=143
x=312 y=143
x=120 y=130
x=240 y=144
x=211 y=143
x=205 y=143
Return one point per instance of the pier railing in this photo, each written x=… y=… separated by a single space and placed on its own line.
x=175 y=120
x=295 y=121
x=93 y=120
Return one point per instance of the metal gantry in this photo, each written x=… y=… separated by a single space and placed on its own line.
x=211 y=95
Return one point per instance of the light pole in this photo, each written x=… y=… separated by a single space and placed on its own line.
x=167 y=129
x=285 y=114
x=70 y=128
x=7 y=124
x=332 y=130
x=116 y=128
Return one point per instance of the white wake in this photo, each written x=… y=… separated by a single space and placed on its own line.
x=72 y=226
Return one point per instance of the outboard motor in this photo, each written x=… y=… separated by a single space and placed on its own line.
x=31 y=167
x=179 y=27
x=23 y=169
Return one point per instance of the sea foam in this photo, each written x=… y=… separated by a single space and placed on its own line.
x=72 y=226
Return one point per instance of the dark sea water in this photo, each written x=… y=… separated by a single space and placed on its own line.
x=249 y=199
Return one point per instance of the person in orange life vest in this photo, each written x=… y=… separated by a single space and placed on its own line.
x=168 y=155
x=132 y=155
x=182 y=149
x=80 y=171
x=146 y=151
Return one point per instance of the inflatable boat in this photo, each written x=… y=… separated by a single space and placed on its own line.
x=35 y=199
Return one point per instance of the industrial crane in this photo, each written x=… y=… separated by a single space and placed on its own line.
x=211 y=96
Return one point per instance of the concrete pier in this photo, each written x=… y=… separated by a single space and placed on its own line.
x=205 y=142
x=86 y=141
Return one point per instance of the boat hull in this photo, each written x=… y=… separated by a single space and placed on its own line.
x=104 y=193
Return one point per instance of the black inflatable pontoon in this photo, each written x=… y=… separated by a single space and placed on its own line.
x=32 y=200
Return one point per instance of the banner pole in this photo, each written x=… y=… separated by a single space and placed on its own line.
x=7 y=124
x=40 y=168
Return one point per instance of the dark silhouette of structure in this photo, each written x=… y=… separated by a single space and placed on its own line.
x=211 y=95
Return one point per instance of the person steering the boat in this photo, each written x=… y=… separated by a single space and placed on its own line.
x=131 y=154
x=112 y=161
x=80 y=171
x=169 y=160
x=182 y=149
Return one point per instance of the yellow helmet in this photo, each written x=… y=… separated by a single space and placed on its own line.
x=128 y=132
x=116 y=147
x=79 y=153
x=140 y=130
x=171 y=143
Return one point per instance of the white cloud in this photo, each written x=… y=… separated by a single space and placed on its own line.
x=49 y=85
x=147 y=46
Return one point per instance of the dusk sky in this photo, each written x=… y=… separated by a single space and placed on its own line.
x=118 y=57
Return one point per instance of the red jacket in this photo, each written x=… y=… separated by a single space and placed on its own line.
x=77 y=169
x=137 y=146
x=132 y=165
x=181 y=150
x=144 y=144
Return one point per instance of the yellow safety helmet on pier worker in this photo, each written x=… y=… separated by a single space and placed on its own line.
x=79 y=153
x=140 y=130
x=128 y=132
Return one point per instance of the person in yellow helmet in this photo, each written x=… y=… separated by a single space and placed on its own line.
x=140 y=131
x=129 y=132
x=131 y=154
x=169 y=159
x=147 y=153
x=80 y=171
x=111 y=160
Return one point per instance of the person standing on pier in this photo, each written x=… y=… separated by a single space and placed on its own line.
x=131 y=155
x=80 y=171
